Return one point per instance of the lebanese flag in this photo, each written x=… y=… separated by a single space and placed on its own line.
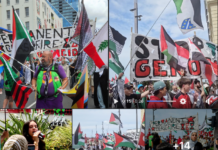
x=177 y=56
x=142 y=137
x=126 y=80
x=115 y=120
x=208 y=68
x=98 y=48
x=123 y=141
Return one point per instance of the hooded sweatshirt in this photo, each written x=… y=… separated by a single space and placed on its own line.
x=155 y=105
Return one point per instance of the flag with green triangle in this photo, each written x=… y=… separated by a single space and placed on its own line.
x=22 y=43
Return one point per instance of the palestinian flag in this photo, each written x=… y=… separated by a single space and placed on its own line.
x=77 y=135
x=81 y=141
x=20 y=93
x=98 y=47
x=126 y=81
x=117 y=39
x=107 y=146
x=123 y=141
x=114 y=63
x=108 y=141
x=21 y=41
x=188 y=15
x=141 y=141
x=208 y=68
x=115 y=120
x=177 y=56
x=82 y=35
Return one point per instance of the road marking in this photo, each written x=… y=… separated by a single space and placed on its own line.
x=31 y=105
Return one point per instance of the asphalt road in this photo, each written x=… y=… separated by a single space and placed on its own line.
x=31 y=104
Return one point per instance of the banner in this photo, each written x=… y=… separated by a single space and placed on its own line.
x=149 y=63
x=45 y=39
x=173 y=124
x=208 y=131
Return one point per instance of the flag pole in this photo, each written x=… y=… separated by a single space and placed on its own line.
x=145 y=36
x=17 y=61
x=119 y=117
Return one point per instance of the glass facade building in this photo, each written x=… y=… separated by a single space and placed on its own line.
x=65 y=10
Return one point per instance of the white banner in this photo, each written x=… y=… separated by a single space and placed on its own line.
x=45 y=39
x=173 y=124
x=149 y=63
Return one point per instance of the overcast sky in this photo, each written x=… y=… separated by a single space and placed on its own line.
x=175 y=113
x=88 y=120
x=99 y=9
x=122 y=19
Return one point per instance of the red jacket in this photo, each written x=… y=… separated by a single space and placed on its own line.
x=182 y=101
x=179 y=141
x=155 y=105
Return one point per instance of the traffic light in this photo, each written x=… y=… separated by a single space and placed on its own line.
x=213 y=121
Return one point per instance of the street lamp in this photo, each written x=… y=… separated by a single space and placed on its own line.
x=136 y=16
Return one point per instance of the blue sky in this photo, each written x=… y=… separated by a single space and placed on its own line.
x=122 y=19
x=175 y=113
x=88 y=120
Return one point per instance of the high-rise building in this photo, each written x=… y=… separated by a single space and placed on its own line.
x=65 y=9
x=34 y=14
x=74 y=4
x=211 y=16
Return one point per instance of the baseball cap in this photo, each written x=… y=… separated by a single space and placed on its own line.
x=159 y=85
x=140 y=85
x=128 y=85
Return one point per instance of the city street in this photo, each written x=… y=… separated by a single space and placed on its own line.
x=67 y=102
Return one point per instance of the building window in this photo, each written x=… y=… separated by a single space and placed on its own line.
x=8 y=2
x=8 y=26
x=27 y=25
x=8 y=14
x=17 y=1
x=27 y=11
x=17 y=11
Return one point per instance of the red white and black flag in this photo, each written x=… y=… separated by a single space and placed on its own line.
x=115 y=120
x=20 y=92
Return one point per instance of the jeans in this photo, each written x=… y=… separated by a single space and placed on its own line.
x=100 y=97
x=72 y=81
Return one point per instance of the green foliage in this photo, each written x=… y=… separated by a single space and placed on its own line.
x=59 y=138
x=103 y=45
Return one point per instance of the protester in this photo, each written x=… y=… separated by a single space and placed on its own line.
x=16 y=142
x=132 y=98
x=31 y=133
x=182 y=99
x=159 y=91
x=1 y=82
x=27 y=73
x=47 y=81
x=179 y=142
x=155 y=141
x=164 y=146
x=174 y=91
x=101 y=88
x=192 y=142
x=4 y=135
x=72 y=71
x=150 y=141
x=67 y=71
x=143 y=101
x=8 y=94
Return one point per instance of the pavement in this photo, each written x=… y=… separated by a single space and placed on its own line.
x=31 y=104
